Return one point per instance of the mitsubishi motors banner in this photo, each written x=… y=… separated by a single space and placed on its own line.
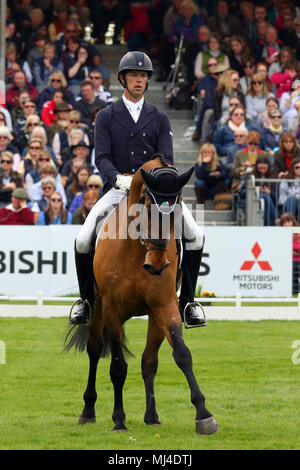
x=254 y=261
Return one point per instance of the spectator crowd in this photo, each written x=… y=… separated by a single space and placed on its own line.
x=241 y=61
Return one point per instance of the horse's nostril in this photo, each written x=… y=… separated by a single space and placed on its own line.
x=153 y=271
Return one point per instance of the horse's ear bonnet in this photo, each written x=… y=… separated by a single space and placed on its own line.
x=164 y=185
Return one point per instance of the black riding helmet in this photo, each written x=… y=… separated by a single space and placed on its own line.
x=134 y=60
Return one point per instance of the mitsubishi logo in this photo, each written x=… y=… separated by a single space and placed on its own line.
x=248 y=265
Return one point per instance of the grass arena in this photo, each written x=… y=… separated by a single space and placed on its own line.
x=247 y=370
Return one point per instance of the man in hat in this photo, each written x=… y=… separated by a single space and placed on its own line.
x=127 y=134
x=205 y=90
x=88 y=102
x=17 y=213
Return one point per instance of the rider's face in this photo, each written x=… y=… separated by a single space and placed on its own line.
x=136 y=84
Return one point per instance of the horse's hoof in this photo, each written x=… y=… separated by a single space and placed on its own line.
x=120 y=428
x=82 y=420
x=207 y=426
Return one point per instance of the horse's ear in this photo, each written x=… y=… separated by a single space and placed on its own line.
x=149 y=179
x=183 y=179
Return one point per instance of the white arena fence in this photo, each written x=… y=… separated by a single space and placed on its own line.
x=241 y=265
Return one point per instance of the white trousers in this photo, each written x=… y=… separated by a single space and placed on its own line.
x=186 y=225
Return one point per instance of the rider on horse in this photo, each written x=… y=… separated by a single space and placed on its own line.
x=127 y=134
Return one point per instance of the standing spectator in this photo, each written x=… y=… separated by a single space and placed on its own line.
x=55 y=213
x=17 y=213
x=88 y=102
x=20 y=83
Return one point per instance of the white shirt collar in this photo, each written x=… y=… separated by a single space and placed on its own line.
x=132 y=107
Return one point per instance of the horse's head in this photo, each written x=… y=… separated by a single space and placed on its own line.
x=161 y=197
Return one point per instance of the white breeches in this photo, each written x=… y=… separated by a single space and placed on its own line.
x=193 y=233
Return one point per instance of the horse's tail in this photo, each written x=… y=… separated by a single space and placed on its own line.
x=77 y=336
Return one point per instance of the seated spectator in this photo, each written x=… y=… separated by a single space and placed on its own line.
x=239 y=53
x=285 y=55
x=75 y=165
x=256 y=97
x=45 y=66
x=137 y=28
x=289 y=193
x=17 y=213
x=23 y=133
x=64 y=140
x=223 y=22
x=228 y=84
x=273 y=133
x=288 y=220
x=5 y=118
x=40 y=133
x=261 y=171
x=234 y=100
x=40 y=39
x=262 y=68
x=264 y=120
x=55 y=213
x=288 y=150
x=99 y=90
x=46 y=168
x=28 y=109
x=209 y=172
x=48 y=115
x=9 y=179
x=82 y=151
x=20 y=83
x=30 y=161
x=224 y=137
x=90 y=198
x=199 y=44
x=270 y=53
x=213 y=51
x=78 y=185
x=80 y=70
x=57 y=81
x=17 y=112
x=14 y=63
x=61 y=120
x=48 y=186
x=283 y=80
x=188 y=22
x=290 y=104
x=94 y=183
x=244 y=160
x=56 y=28
x=240 y=142
x=87 y=103
x=6 y=144
x=249 y=68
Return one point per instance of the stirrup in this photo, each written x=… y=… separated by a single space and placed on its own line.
x=195 y=303
x=76 y=303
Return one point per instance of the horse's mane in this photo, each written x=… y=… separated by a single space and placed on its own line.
x=137 y=180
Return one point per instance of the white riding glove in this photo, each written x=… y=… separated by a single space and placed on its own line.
x=123 y=182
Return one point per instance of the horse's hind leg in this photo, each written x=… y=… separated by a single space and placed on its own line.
x=149 y=367
x=118 y=373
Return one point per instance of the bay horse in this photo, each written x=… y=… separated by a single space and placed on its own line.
x=136 y=276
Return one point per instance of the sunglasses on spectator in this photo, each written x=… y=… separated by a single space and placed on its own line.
x=29 y=106
x=248 y=66
x=33 y=124
x=256 y=83
x=253 y=143
x=56 y=199
x=44 y=159
x=34 y=147
x=212 y=64
x=278 y=116
x=238 y=114
x=94 y=185
x=70 y=30
x=56 y=80
x=6 y=161
x=72 y=121
x=239 y=135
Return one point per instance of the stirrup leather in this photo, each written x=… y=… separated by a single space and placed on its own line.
x=76 y=303
x=195 y=303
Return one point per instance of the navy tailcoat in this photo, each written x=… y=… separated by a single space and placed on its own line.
x=123 y=146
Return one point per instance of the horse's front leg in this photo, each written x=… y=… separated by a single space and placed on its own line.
x=149 y=367
x=205 y=422
x=118 y=373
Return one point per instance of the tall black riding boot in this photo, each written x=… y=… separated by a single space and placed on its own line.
x=191 y=266
x=81 y=311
